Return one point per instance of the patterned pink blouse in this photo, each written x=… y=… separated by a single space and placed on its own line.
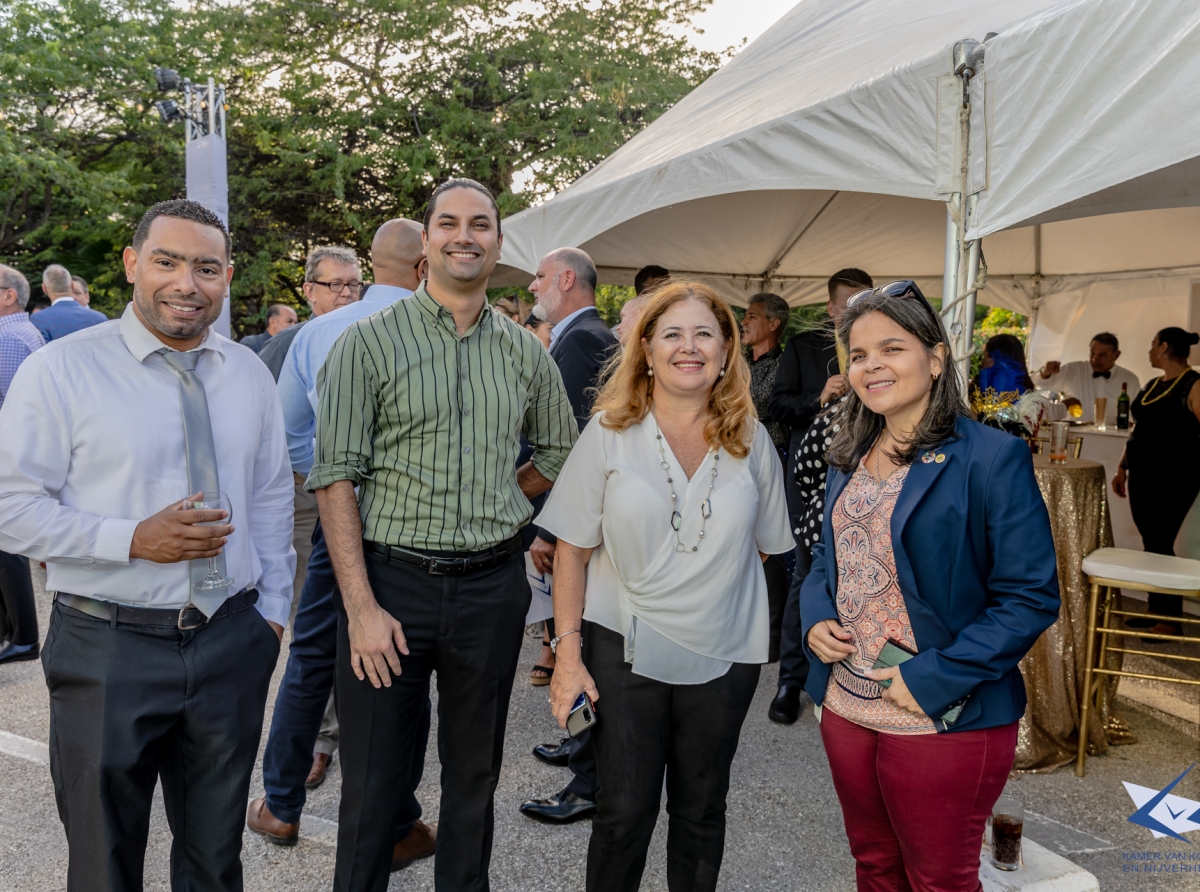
x=870 y=604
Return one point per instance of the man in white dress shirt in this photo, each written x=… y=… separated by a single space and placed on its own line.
x=1100 y=376
x=149 y=676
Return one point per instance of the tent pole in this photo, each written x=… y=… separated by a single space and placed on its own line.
x=966 y=312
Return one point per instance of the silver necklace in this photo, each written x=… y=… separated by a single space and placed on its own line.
x=705 y=506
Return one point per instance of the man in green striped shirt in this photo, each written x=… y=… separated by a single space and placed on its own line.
x=422 y=407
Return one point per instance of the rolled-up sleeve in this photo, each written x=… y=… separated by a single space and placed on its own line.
x=550 y=424
x=33 y=470
x=348 y=386
x=271 y=527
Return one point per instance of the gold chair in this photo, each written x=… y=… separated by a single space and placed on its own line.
x=1074 y=445
x=1121 y=568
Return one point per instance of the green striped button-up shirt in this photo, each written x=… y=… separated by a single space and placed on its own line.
x=428 y=424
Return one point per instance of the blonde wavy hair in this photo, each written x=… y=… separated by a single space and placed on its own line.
x=628 y=391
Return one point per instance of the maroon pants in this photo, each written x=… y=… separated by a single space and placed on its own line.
x=915 y=806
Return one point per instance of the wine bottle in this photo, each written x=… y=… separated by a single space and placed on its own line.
x=1123 y=409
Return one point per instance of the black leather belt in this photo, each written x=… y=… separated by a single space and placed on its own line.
x=449 y=563
x=182 y=618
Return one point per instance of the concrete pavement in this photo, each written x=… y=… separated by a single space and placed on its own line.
x=785 y=825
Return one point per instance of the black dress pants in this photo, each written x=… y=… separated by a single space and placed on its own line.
x=646 y=729
x=18 y=613
x=130 y=704
x=469 y=630
x=793 y=664
x=1160 y=504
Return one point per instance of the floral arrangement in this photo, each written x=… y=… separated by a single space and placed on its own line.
x=1009 y=411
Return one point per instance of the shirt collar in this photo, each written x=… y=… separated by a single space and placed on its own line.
x=773 y=353
x=59 y=300
x=14 y=319
x=385 y=294
x=563 y=324
x=142 y=343
x=438 y=313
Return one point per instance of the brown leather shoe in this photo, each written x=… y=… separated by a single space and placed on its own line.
x=316 y=776
x=261 y=821
x=419 y=843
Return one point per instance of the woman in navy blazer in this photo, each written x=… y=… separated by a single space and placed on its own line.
x=936 y=537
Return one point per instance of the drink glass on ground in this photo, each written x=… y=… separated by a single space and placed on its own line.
x=1008 y=817
x=1058 y=442
x=1101 y=411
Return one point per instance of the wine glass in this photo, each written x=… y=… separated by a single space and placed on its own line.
x=217 y=501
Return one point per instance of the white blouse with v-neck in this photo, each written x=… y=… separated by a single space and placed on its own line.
x=686 y=617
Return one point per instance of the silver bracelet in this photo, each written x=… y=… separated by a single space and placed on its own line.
x=554 y=641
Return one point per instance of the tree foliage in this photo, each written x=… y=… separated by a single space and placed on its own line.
x=342 y=115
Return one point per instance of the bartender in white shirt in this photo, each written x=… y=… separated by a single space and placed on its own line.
x=1082 y=382
x=149 y=676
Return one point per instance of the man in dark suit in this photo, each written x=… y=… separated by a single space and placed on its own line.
x=279 y=318
x=580 y=343
x=811 y=375
x=65 y=315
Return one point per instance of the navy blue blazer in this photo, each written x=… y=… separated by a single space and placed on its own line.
x=976 y=564
x=68 y=317
x=580 y=351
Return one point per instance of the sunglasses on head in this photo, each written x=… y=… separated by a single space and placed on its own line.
x=905 y=288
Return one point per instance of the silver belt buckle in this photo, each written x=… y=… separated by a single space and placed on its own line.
x=179 y=621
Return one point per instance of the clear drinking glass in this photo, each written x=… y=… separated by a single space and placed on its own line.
x=1101 y=412
x=1008 y=819
x=1058 y=442
x=220 y=502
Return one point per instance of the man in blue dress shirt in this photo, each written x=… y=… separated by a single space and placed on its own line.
x=65 y=315
x=18 y=339
x=399 y=265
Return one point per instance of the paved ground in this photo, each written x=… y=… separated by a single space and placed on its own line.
x=785 y=826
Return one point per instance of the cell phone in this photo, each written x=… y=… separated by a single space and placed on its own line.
x=582 y=717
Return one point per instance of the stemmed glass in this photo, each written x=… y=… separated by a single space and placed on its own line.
x=217 y=501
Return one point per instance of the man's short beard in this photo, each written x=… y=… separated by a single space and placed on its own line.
x=181 y=329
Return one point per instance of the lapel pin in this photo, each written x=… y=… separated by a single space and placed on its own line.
x=927 y=458
x=940 y=458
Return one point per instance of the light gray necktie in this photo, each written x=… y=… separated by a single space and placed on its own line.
x=201 y=460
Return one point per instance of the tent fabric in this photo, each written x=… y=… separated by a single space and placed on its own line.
x=1087 y=96
x=782 y=168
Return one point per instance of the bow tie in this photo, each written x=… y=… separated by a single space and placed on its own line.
x=1101 y=374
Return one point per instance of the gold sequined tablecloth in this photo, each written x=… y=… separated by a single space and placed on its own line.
x=1053 y=669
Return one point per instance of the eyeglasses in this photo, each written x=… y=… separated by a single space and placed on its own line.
x=905 y=288
x=336 y=287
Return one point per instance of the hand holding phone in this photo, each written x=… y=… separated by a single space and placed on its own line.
x=582 y=717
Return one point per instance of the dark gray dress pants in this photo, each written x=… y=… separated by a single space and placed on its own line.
x=468 y=629
x=130 y=704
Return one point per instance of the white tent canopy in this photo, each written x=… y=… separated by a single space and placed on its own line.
x=831 y=142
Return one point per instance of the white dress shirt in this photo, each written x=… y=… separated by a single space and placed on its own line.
x=685 y=617
x=1075 y=379
x=306 y=354
x=94 y=445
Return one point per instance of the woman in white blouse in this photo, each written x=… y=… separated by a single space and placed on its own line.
x=663 y=512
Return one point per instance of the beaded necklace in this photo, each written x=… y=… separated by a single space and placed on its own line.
x=705 y=506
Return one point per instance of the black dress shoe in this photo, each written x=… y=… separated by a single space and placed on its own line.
x=563 y=807
x=554 y=754
x=15 y=653
x=785 y=708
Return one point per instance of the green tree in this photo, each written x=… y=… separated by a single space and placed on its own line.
x=343 y=114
